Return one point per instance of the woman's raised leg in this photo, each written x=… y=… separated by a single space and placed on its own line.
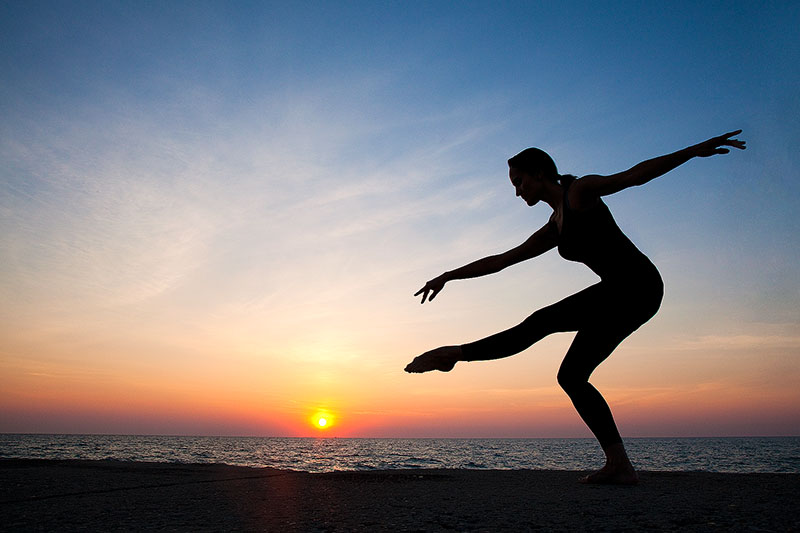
x=568 y=314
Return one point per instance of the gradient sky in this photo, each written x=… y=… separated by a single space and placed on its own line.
x=214 y=215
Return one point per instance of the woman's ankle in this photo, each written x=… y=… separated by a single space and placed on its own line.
x=458 y=353
x=617 y=456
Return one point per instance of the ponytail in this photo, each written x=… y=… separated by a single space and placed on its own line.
x=565 y=179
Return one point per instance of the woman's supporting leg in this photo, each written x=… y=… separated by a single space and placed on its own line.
x=590 y=348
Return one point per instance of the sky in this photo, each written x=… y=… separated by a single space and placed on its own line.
x=214 y=215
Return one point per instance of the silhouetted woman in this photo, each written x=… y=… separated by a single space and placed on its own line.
x=628 y=294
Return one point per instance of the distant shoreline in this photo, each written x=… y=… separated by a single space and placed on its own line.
x=79 y=494
x=323 y=436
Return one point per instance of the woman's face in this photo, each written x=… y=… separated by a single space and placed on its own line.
x=527 y=187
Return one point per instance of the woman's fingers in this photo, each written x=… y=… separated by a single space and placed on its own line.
x=715 y=145
x=424 y=292
x=736 y=143
x=430 y=290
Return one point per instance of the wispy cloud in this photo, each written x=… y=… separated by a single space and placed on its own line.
x=263 y=229
x=716 y=343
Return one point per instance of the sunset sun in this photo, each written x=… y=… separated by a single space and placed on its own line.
x=322 y=419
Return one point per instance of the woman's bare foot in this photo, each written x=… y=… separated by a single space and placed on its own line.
x=607 y=476
x=617 y=471
x=443 y=359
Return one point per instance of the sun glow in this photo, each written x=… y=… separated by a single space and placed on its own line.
x=322 y=420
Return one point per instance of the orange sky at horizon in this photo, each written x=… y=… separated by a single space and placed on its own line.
x=498 y=399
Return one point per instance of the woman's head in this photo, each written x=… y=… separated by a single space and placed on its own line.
x=535 y=162
x=532 y=174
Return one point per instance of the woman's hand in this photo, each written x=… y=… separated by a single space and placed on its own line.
x=433 y=287
x=716 y=145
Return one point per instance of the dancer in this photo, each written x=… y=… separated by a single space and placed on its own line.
x=628 y=294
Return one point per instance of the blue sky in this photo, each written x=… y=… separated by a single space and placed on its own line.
x=243 y=188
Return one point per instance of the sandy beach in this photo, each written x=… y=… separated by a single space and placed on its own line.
x=109 y=495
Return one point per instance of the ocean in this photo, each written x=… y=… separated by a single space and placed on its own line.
x=728 y=454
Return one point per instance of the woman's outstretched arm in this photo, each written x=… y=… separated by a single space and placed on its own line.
x=543 y=240
x=652 y=168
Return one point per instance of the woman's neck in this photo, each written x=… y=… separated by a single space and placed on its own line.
x=553 y=195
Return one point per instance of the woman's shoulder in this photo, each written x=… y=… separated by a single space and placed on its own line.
x=581 y=193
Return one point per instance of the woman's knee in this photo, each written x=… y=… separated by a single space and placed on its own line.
x=571 y=380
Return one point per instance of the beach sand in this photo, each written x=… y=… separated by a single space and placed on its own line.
x=112 y=495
